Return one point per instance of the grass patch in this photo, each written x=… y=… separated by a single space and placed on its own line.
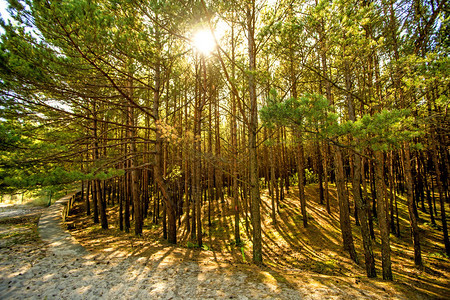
x=17 y=231
x=204 y=246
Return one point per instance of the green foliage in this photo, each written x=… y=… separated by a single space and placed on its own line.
x=440 y=255
x=243 y=254
x=240 y=244
x=311 y=177
x=294 y=179
x=312 y=115
x=191 y=245
x=309 y=113
x=195 y=246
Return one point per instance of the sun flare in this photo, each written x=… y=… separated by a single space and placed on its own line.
x=204 y=42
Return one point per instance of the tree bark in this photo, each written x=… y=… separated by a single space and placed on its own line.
x=410 y=200
x=437 y=171
x=169 y=203
x=252 y=131
x=344 y=212
x=382 y=217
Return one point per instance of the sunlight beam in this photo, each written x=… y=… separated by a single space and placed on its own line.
x=204 y=42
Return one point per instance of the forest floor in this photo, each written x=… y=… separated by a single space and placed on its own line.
x=299 y=263
x=294 y=256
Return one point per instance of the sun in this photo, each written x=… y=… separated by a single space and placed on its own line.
x=204 y=42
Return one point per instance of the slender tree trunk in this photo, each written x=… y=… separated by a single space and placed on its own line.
x=127 y=194
x=325 y=171
x=301 y=181
x=102 y=201
x=272 y=180
x=410 y=201
x=320 y=172
x=382 y=217
x=210 y=164
x=437 y=171
x=362 y=208
x=234 y=146
x=135 y=199
x=88 y=203
x=169 y=205
x=252 y=130
x=429 y=201
x=392 y=196
x=186 y=193
x=344 y=212
x=121 y=196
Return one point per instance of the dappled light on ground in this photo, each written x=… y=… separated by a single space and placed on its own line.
x=293 y=255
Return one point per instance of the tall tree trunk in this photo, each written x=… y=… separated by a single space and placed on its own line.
x=360 y=203
x=325 y=173
x=121 y=196
x=382 y=216
x=252 y=131
x=272 y=181
x=320 y=172
x=127 y=194
x=187 y=175
x=135 y=199
x=99 y=195
x=234 y=146
x=437 y=171
x=344 y=212
x=94 y=196
x=428 y=191
x=410 y=200
x=88 y=205
x=210 y=164
x=168 y=201
x=301 y=181
x=362 y=207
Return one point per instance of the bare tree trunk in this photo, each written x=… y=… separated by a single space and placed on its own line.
x=382 y=217
x=410 y=200
x=252 y=130
x=210 y=164
x=135 y=199
x=170 y=207
x=437 y=171
x=234 y=146
x=88 y=205
x=344 y=212
x=99 y=195
x=301 y=181
x=325 y=173
x=272 y=180
x=360 y=203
